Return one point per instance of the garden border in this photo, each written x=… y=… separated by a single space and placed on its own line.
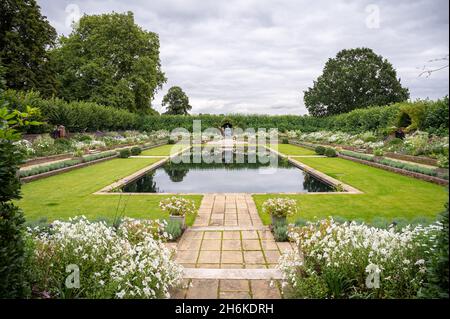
x=63 y=170
x=404 y=157
x=50 y=158
x=426 y=178
x=32 y=178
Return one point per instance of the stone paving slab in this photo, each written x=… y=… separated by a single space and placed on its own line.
x=230 y=274
x=228 y=251
x=228 y=289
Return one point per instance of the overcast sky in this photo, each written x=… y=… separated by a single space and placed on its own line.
x=257 y=56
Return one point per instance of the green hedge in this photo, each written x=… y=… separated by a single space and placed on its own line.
x=431 y=116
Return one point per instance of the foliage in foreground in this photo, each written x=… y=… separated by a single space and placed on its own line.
x=127 y=261
x=352 y=260
x=13 y=256
x=437 y=276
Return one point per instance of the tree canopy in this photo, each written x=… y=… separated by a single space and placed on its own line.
x=176 y=101
x=355 y=78
x=110 y=60
x=25 y=37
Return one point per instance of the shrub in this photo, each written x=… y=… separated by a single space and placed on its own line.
x=285 y=141
x=408 y=167
x=50 y=167
x=359 y=261
x=362 y=156
x=412 y=115
x=378 y=152
x=280 y=231
x=436 y=285
x=136 y=151
x=14 y=251
x=174 y=229
x=395 y=141
x=122 y=263
x=125 y=153
x=78 y=153
x=171 y=141
x=93 y=157
x=330 y=152
x=44 y=145
x=436 y=118
x=177 y=206
x=442 y=161
x=320 y=150
x=280 y=207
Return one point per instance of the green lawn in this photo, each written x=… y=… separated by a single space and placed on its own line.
x=293 y=150
x=70 y=194
x=164 y=150
x=386 y=194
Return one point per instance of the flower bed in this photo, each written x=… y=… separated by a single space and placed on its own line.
x=65 y=164
x=44 y=145
x=398 y=167
x=415 y=144
x=352 y=260
x=125 y=261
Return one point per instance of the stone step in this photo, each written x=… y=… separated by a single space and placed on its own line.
x=226 y=228
x=249 y=274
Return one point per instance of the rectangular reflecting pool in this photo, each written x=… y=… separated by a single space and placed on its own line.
x=228 y=176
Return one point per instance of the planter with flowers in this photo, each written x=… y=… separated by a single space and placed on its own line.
x=279 y=209
x=178 y=208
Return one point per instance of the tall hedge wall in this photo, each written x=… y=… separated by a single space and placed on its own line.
x=426 y=115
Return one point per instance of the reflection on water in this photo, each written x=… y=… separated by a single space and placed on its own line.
x=228 y=177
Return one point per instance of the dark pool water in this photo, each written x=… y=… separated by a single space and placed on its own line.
x=227 y=177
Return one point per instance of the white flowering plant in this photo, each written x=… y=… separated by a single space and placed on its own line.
x=280 y=207
x=415 y=143
x=178 y=206
x=112 y=263
x=352 y=260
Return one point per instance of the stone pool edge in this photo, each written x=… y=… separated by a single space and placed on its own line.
x=349 y=190
x=318 y=174
x=109 y=190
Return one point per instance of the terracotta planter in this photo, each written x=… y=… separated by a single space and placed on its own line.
x=179 y=219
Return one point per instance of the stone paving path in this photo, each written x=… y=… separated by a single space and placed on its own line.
x=229 y=234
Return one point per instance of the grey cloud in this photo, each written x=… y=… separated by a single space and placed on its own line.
x=258 y=56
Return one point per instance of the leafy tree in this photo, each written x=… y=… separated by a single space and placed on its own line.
x=110 y=60
x=355 y=78
x=13 y=252
x=2 y=78
x=176 y=101
x=25 y=37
